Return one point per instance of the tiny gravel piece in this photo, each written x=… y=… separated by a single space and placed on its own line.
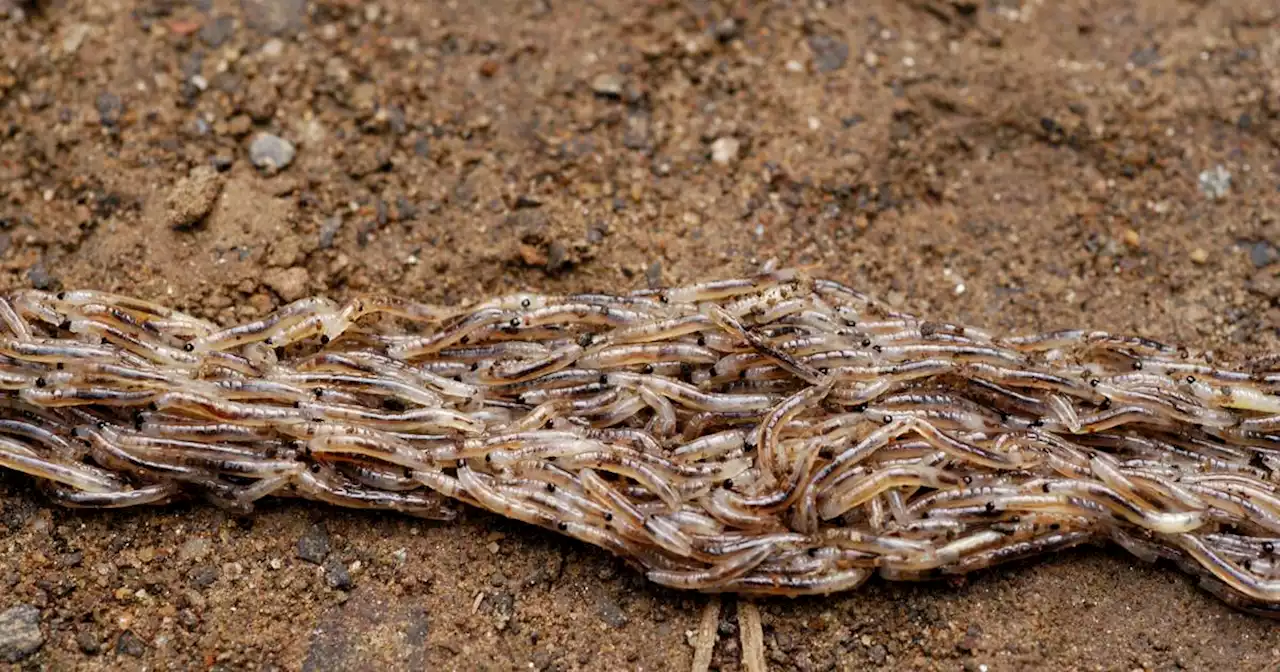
x=727 y=30
x=609 y=85
x=653 y=275
x=203 y=576
x=110 y=108
x=725 y=150
x=20 y=634
x=215 y=32
x=557 y=257
x=289 y=283
x=195 y=548
x=1216 y=183
x=275 y=17
x=192 y=198
x=329 y=230
x=336 y=575
x=610 y=612
x=130 y=644
x=41 y=278
x=313 y=546
x=271 y=152
x=829 y=54
x=88 y=643
x=1262 y=253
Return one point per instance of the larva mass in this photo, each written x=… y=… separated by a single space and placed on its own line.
x=777 y=434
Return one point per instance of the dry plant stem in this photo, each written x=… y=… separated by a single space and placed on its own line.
x=777 y=434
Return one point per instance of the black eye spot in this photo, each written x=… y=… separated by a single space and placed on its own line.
x=515 y=323
x=990 y=507
x=562 y=526
x=62 y=296
x=866 y=342
x=1093 y=383
x=188 y=346
x=1268 y=547
x=648 y=368
x=608 y=516
x=65 y=326
x=877 y=348
x=551 y=487
x=41 y=382
x=887 y=419
x=318 y=392
x=1191 y=380
x=1137 y=366
x=728 y=483
x=525 y=303
x=664 y=298
x=324 y=339
x=464 y=340
x=475 y=366
x=488 y=458
x=1055 y=526
x=315 y=468
x=702 y=340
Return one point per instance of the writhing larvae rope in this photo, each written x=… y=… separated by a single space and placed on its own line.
x=777 y=434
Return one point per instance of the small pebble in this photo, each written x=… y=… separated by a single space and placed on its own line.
x=192 y=198
x=1215 y=183
x=313 y=546
x=337 y=575
x=329 y=230
x=88 y=643
x=1199 y=256
x=271 y=152
x=289 y=283
x=829 y=53
x=40 y=277
x=20 y=634
x=216 y=31
x=130 y=644
x=727 y=30
x=724 y=151
x=653 y=275
x=609 y=85
x=1262 y=253
x=110 y=108
x=610 y=612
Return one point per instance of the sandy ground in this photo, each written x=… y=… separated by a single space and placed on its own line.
x=1015 y=165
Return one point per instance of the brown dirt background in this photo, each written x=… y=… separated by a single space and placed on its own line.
x=1046 y=156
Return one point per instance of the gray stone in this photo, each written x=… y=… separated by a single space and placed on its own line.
x=20 y=634
x=829 y=54
x=313 y=546
x=271 y=152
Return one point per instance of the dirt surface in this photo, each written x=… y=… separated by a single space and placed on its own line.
x=1016 y=165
